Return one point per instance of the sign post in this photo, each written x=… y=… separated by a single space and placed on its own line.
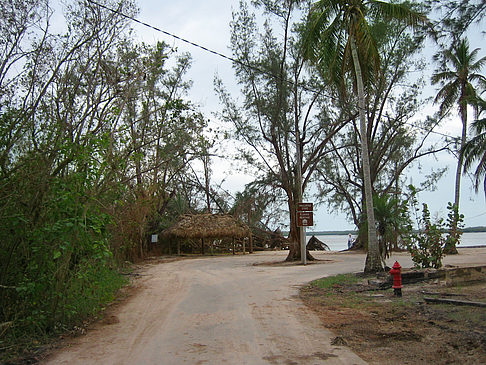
x=305 y=218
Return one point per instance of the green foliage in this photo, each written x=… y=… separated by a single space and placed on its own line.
x=460 y=81
x=257 y=205
x=284 y=126
x=95 y=143
x=55 y=248
x=454 y=228
x=457 y=16
x=392 y=221
x=474 y=150
x=427 y=246
x=393 y=145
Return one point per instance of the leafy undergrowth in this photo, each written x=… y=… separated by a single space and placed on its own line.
x=24 y=341
x=384 y=329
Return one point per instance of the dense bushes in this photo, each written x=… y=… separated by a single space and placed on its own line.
x=94 y=139
x=57 y=268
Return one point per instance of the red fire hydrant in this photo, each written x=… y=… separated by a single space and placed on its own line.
x=396 y=271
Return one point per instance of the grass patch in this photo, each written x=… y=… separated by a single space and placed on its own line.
x=335 y=281
x=337 y=291
x=472 y=315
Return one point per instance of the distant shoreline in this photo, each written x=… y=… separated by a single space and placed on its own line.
x=478 y=229
x=330 y=233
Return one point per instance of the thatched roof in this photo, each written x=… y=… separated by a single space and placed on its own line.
x=207 y=226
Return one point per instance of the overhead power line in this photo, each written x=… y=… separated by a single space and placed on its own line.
x=206 y=49
x=476 y=216
x=164 y=32
x=229 y=58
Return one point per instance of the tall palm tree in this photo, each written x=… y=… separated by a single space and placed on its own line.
x=338 y=38
x=457 y=79
x=475 y=149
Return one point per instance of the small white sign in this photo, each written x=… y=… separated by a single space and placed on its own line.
x=155 y=238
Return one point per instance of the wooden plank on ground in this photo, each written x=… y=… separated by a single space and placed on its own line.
x=454 y=301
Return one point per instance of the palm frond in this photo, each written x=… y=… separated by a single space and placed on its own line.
x=447 y=96
x=475 y=151
x=316 y=25
x=366 y=43
x=400 y=11
x=458 y=76
x=480 y=79
x=478 y=65
x=441 y=77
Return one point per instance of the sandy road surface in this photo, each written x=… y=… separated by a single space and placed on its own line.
x=223 y=310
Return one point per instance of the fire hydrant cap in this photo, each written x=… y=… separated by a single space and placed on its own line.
x=396 y=265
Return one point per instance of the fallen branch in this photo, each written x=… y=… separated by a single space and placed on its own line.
x=442 y=294
x=7 y=287
x=454 y=301
x=133 y=274
x=4 y=327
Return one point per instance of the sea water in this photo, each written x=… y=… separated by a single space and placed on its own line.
x=339 y=242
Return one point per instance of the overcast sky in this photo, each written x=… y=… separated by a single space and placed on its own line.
x=207 y=23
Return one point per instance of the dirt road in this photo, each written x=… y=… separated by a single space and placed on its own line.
x=221 y=310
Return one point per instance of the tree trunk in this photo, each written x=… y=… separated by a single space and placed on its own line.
x=294 y=247
x=451 y=249
x=294 y=237
x=206 y=182
x=298 y=250
x=373 y=259
x=460 y=161
x=249 y=226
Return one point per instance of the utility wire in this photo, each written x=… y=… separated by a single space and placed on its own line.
x=476 y=216
x=219 y=54
x=165 y=32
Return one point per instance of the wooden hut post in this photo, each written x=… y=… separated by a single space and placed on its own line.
x=179 y=247
x=233 y=246
x=202 y=245
x=244 y=248
x=251 y=242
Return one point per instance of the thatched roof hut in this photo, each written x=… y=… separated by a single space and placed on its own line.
x=207 y=226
